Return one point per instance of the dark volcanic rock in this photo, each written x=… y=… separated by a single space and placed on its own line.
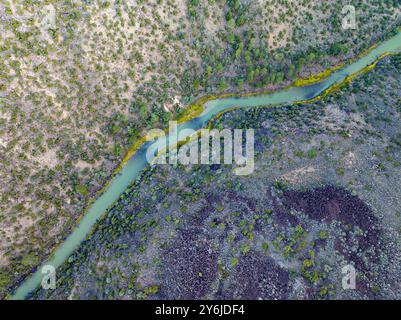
x=257 y=277
x=329 y=204
x=332 y=203
x=190 y=266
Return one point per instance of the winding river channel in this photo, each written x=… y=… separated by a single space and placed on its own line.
x=138 y=162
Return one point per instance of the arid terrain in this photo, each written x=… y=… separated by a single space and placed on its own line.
x=81 y=81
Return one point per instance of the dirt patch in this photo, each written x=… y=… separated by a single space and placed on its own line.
x=296 y=175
